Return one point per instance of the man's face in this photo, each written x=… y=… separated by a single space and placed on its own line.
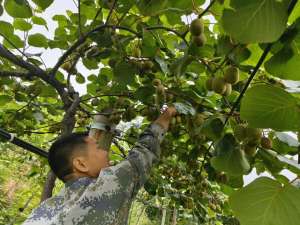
x=96 y=158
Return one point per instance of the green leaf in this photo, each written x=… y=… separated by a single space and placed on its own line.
x=252 y=21
x=21 y=24
x=152 y=7
x=38 y=40
x=149 y=46
x=80 y=78
x=212 y=128
x=43 y=4
x=124 y=72
x=266 y=106
x=295 y=13
x=6 y=28
x=265 y=202
x=18 y=8
x=184 y=108
x=14 y=42
x=39 y=21
x=230 y=158
x=283 y=64
x=5 y=99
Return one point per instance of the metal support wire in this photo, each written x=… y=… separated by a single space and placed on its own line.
x=23 y=144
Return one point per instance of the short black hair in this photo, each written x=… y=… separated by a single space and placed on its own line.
x=61 y=152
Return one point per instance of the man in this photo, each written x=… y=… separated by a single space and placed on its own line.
x=96 y=193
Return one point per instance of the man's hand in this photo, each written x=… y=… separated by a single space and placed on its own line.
x=164 y=119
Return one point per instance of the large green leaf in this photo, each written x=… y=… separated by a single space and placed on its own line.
x=266 y=202
x=38 y=40
x=124 y=72
x=255 y=20
x=5 y=99
x=21 y=24
x=6 y=28
x=14 y=42
x=18 y=8
x=265 y=106
x=283 y=64
x=151 y=7
x=230 y=158
x=43 y=4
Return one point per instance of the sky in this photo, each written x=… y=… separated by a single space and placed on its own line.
x=51 y=56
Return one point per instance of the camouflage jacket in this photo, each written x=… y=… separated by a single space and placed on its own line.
x=105 y=200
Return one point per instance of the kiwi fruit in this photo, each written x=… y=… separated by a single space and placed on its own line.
x=197 y=27
x=228 y=89
x=208 y=84
x=178 y=119
x=199 y=40
x=112 y=63
x=148 y=65
x=240 y=132
x=67 y=66
x=232 y=75
x=156 y=82
x=95 y=102
x=253 y=134
x=219 y=85
x=266 y=143
x=199 y=119
x=250 y=150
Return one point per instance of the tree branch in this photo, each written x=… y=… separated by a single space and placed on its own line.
x=79 y=19
x=81 y=40
x=14 y=74
x=33 y=70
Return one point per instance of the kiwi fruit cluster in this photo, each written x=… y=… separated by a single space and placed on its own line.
x=223 y=85
x=197 y=32
x=250 y=138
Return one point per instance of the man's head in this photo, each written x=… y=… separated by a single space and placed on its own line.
x=77 y=155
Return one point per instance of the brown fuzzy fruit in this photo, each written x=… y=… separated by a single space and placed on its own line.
x=156 y=82
x=112 y=63
x=253 y=134
x=228 y=89
x=199 y=119
x=219 y=85
x=209 y=83
x=250 y=150
x=67 y=66
x=200 y=40
x=148 y=65
x=197 y=27
x=95 y=102
x=240 y=132
x=266 y=143
x=232 y=75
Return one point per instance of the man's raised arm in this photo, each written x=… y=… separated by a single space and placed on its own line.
x=146 y=151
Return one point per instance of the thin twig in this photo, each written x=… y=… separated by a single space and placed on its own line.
x=111 y=11
x=207 y=8
x=79 y=19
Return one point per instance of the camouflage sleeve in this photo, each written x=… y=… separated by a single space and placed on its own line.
x=145 y=153
x=135 y=169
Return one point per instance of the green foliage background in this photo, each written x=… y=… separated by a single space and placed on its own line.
x=131 y=44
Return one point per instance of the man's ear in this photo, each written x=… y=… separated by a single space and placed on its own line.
x=80 y=164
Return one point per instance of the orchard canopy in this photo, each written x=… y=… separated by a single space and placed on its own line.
x=230 y=67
